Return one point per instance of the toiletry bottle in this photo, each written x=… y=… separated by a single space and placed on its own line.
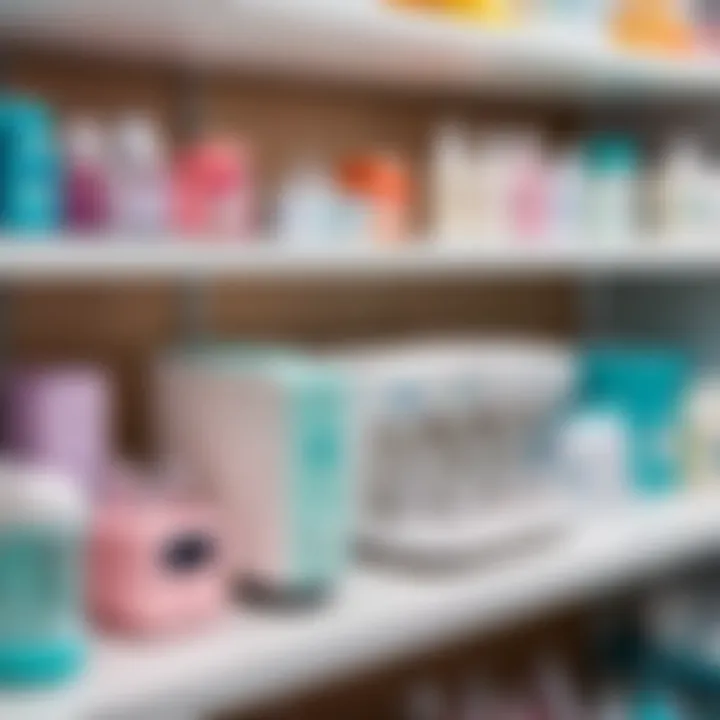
x=87 y=179
x=213 y=195
x=567 y=198
x=308 y=212
x=30 y=179
x=612 y=189
x=457 y=181
x=43 y=521
x=380 y=184
x=684 y=197
x=140 y=177
x=702 y=434
x=529 y=189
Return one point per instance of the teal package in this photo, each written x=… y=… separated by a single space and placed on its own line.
x=320 y=479
x=30 y=176
x=647 y=386
x=42 y=637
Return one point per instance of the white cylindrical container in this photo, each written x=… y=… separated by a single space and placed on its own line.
x=593 y=459
x=702 y=430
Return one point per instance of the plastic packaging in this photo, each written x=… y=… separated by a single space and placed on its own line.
x=87 y=176
x=43 y=521
x=30 y=178
x=140 y=177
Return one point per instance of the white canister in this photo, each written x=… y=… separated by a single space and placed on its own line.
x=702 y=427
x=593 y=458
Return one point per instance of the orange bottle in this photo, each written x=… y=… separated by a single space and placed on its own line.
x=381 y=184
x=653 y=25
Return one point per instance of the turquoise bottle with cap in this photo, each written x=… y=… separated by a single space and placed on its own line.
x=30 y=182
x=42 y=529
x=612 y=188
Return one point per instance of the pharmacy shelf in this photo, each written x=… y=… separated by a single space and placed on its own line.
x=92 y=259
x=362 y=41
x=378 y=618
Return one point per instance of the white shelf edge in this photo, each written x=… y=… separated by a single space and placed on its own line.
x=93 y=259
x=251 y=658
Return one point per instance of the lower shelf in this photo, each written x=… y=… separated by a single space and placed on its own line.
x=249 y=657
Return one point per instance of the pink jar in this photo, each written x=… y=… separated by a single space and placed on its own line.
x=156 y=565
x=212 y=190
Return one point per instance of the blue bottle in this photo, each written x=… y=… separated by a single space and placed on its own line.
x=647 y=387
x=30 y=180
x=42 y=521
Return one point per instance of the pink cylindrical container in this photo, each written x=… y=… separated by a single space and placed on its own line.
x=156 y=564
x=61 y=416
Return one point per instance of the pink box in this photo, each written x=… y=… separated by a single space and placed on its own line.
x=156 y=566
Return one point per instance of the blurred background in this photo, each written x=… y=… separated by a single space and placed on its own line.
x=359 y=359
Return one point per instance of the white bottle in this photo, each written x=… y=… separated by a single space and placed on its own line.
x=566 y=213
x=702 y=428
x=308 y=209
x=683 y=193
x=453 y=199
x=593 y=459
x=140 y=177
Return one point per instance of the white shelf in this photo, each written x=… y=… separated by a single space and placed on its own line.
x=92 y=259
x=356 y=40
x=251 y=658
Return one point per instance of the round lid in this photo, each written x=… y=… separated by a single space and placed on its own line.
x=32 y=494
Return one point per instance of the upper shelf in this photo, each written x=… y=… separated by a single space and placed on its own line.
x=357 y=40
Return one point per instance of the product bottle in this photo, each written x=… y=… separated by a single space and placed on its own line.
x=308 y=209
x=702 y=433
x=567 y=198
x=455 y=186
x=87 y=190
x=42 y=538
x=379 y=185
x=613 y=197
x=30 y=182
x=139 y=177
x=212 y=195
x=529 y=188
x=684 y=199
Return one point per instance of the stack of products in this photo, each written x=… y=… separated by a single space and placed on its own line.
x=94 y=179
x=271 y=461
x=509 y=186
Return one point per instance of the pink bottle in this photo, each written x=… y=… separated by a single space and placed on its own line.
x=529 y=189
x=212 y=190
x=87 y=192
x=62 y=416
x=156 y=565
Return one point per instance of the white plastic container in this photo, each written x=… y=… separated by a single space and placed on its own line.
x=448 y=445
x=593 y=460
x=453 y=196
x=684 y=192
x=702 y=431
